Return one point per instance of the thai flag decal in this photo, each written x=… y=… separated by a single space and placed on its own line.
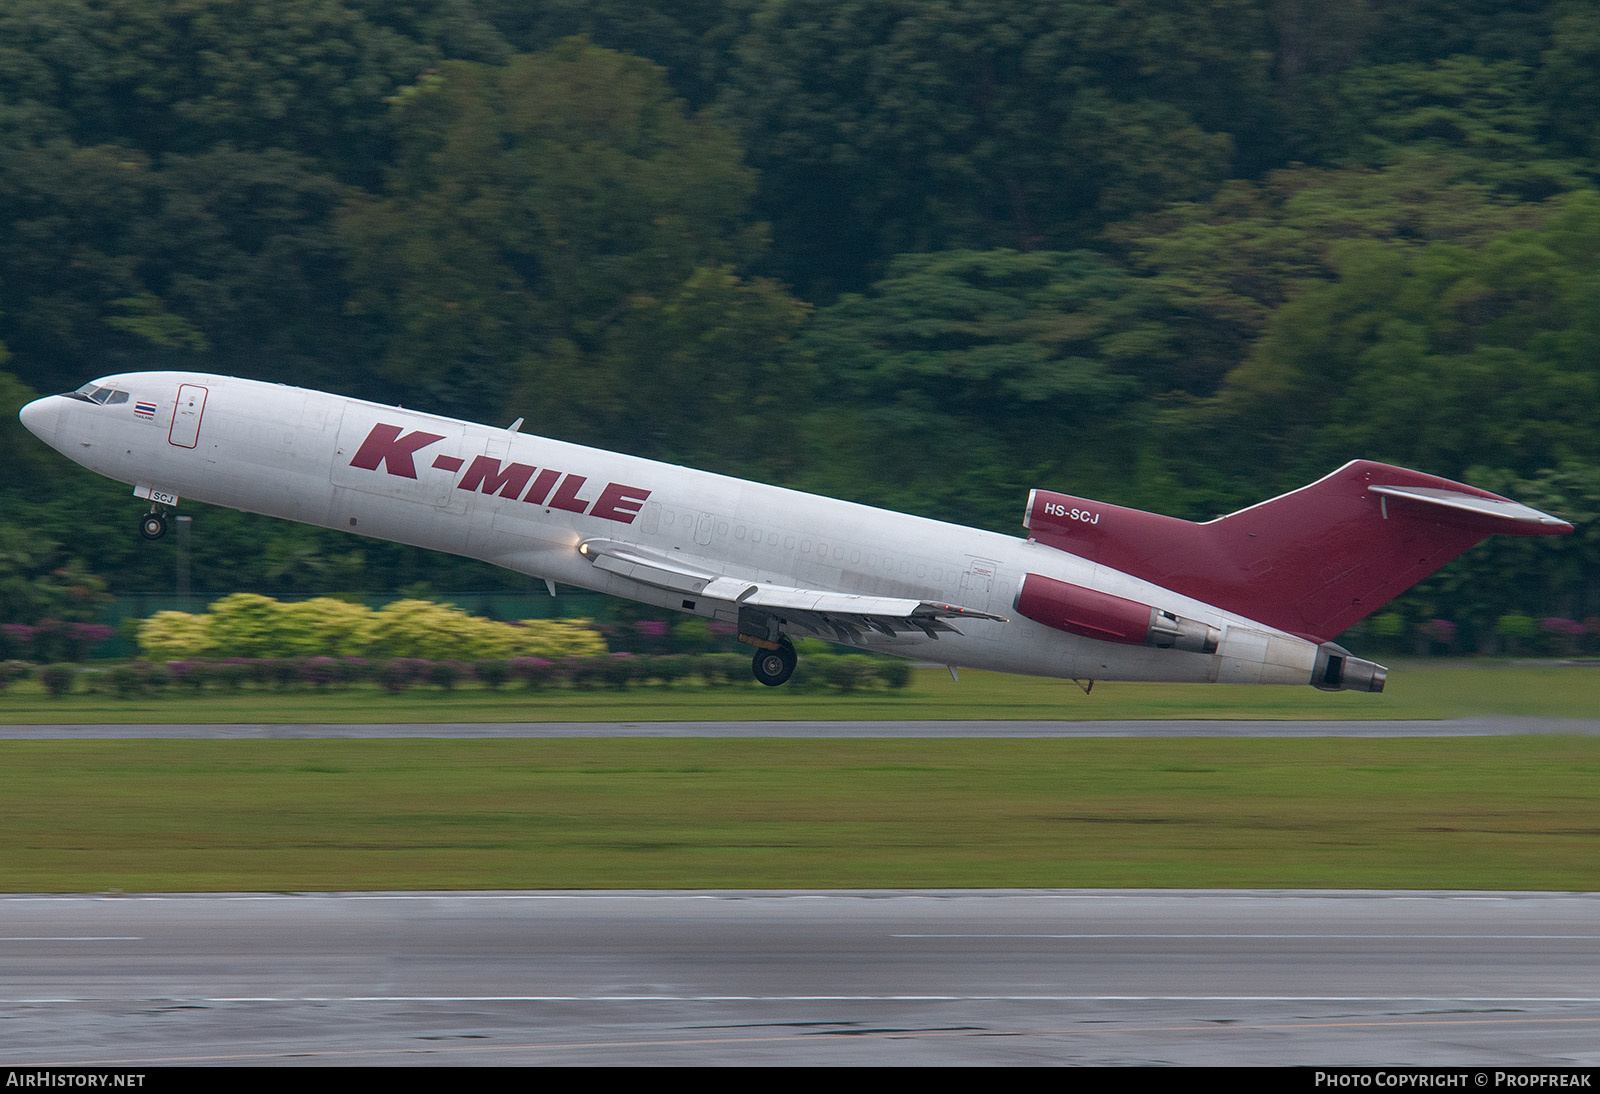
x=144 y=410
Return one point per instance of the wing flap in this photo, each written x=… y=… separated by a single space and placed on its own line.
x=826 y=612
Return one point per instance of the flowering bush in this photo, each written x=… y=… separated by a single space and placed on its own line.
x=1562 y=636
x=12 y=670
x=492 y=674
x=58 y=679
x=399 y=673
x=51 y=640
x=1441 y=631
x=816 y=671
x=535 y=672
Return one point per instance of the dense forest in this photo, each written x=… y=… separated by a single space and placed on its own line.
x=924 y=254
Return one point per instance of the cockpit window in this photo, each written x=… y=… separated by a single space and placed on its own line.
x=95 y=393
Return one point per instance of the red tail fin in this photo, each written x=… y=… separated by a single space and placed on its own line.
x=1311 y=562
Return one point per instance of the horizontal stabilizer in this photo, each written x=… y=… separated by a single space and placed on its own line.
x=1492 y=514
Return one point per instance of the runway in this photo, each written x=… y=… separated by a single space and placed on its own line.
x=1459 y=727
x=923 y=978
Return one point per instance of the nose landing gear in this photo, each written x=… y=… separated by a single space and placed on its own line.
x=153 y=525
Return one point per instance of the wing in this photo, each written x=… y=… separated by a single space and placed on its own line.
x=824 y=612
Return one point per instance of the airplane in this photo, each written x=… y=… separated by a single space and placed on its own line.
x=1095 y=592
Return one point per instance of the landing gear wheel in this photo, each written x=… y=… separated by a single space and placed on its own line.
x=152 y=526
x=773 y=667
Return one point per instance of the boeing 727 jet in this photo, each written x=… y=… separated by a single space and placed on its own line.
x=1095 y=591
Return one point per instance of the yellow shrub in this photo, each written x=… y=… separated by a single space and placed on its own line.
x=247 y=625
x=325 y=627
x=176 y=636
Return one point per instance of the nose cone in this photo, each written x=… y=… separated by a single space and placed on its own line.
x=41 y=417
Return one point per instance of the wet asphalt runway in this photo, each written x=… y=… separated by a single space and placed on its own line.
x=931 y=978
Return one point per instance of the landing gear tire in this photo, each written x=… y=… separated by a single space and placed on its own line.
x=152 y=526
x=774 y=667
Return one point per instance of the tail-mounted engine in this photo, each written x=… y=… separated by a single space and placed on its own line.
x=1337 y=670
x=1093 y=614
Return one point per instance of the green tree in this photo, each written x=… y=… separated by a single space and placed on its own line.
x=883 y=128
x=1568 y=81
x=539 y=220
x=1487 y=110
x=965 y=378
x=169 y=172
x=1440 y=356
x=694 y=43
x=308 y=76
x=38 y=581
x=1227 y=265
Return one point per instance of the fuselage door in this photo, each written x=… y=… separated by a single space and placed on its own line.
x=650 y=518
x=185 y=431
x=977 y=584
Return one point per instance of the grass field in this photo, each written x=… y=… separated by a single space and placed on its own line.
x=1479 y=813
x=167 y=815
x=1423 y=689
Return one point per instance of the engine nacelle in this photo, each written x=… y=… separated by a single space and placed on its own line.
x=1336 y=670
x=1093 y=614
x=1250 y=656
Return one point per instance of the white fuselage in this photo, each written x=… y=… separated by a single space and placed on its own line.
x=362 y=467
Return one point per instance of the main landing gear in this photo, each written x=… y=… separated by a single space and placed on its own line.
x=153 y=525
x=773 y=667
